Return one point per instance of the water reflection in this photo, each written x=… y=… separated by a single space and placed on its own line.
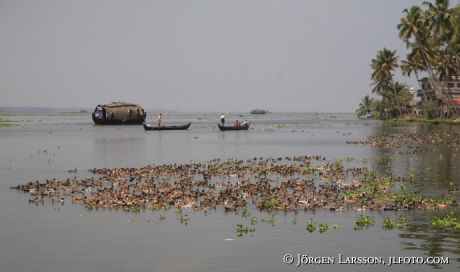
x=434 y=169
x=119 y=150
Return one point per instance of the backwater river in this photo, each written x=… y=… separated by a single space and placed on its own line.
x=68 y=236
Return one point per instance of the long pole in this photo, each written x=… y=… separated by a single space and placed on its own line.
x=169 y=109
x=227 y=113
x=231 y=108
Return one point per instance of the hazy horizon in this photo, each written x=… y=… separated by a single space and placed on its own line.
x=200 y=56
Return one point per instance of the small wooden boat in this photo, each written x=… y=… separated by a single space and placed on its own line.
x=119 y=113
x=150 y=127
x=244 y=127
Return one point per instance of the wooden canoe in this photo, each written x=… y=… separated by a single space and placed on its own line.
x=233 y=127
x=154 y=127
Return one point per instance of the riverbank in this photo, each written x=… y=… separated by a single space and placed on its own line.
x=429 y=121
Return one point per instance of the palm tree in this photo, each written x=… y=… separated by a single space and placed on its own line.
x=365 y=107
x=385 y=62
x=404 y=96
x=446 y=68
x=414 y=63
x=415 y=24
x=441 y=21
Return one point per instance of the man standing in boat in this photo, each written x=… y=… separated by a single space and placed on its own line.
x=159 y=119
x=222 y=119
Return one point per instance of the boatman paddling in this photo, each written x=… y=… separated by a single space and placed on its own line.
x=222 y=119
x=159 y=119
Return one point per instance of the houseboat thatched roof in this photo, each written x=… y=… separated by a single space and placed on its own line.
x=119 y=113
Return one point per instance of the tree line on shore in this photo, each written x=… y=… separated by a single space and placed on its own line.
x=431 y=33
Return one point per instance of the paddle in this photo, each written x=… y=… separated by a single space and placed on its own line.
x=227 y=113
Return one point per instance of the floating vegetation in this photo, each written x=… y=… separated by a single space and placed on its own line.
x=5 y=122
x=162 y=218
x=269 y=220
x=246 y=213
x=323 y=227
x=389 y=223
x=263 y=184
x=311 y=226
x=184 y=219
x=135 y=209
x=446 y=222
x=402 y=222
x=272 y=204
x=363 y=221
x=240 y=229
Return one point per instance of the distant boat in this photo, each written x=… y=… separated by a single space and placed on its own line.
x=119 y=113
x=244 y=127
x=260 y=111
x=182 y=127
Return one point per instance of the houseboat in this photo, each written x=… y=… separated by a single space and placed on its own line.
x=259 y=111
x=119 y=113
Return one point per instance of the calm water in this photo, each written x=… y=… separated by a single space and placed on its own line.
x=55 y=237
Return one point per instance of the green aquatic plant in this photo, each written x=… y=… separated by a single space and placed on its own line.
x=254 y=220
x=246 y=213
x=240 y=228
x=335 y=226
x=323 y=227
x=389 y=223
x=402 y=187
x=184 y=219
x=135 y=209
x=307 y=170
x=269 y=220
x=445 y=222
x=337 y=163
x=402 y=222
x=311 y=226
x=272 y=203
x=162 y=217
x=294 y=221
x=364 y=221
x=3 y=121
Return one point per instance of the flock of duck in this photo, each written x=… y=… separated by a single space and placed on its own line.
x=288 y=184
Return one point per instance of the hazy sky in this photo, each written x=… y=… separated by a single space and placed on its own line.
x=281 y=55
